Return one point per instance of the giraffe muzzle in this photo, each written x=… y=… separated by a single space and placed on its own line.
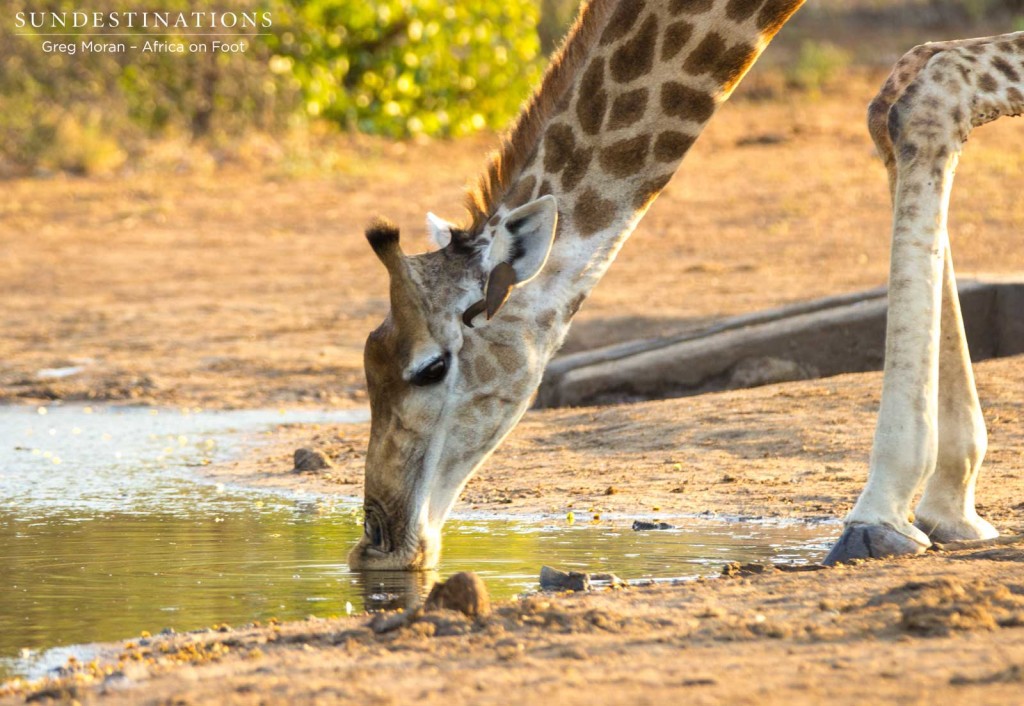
x=375 y=529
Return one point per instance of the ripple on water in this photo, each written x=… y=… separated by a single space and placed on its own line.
x=106 y=531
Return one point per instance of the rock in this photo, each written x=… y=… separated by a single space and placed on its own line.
x=310 y=460
x=464 y=592
x=612 y=580
x=641 y=525
x=736 y=569
x=554 y=580
x=386 y=622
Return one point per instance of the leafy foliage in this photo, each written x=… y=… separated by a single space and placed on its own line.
x=390 y=67
x=77 y=112
x=405 y=67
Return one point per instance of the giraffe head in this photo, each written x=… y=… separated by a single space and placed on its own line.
x=449 y=371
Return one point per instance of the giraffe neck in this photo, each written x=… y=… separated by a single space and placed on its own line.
x=639 y=93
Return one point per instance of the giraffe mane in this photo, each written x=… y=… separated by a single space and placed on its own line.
x=520 y=140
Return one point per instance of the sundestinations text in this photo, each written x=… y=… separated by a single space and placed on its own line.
x=143 y=20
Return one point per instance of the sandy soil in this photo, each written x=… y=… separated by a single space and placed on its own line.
x=240 y=289
x=245 y=289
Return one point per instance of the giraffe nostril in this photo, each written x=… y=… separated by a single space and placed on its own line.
x=374 y=527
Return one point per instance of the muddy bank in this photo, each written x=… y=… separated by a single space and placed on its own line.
x=946 y=626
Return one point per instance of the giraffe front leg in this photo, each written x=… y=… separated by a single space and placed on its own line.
x=905 y=445
x=906 y=436
x=946 y=511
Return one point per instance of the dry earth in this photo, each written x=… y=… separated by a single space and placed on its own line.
x=245 y=289
x=242 y=289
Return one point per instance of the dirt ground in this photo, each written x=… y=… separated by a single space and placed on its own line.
x=234 y=288
x=237 y=289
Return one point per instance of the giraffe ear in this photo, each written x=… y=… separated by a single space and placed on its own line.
x=439 y=231
x=524 y=238
x=519 y=250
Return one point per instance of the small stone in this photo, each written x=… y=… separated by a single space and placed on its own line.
x=464 y=592
x=612 y=580
x=386 y=622
x=642 y=525
x=736 y=569
x=552 y=579
x=310 y=460
x=611 y=490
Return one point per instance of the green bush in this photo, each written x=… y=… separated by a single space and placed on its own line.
x=392 y=67
x=406 y=67
x=818 y=65
x=82 y=112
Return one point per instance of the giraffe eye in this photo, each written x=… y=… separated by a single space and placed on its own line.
x=431 y=373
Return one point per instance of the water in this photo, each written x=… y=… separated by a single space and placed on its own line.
x=106 y=530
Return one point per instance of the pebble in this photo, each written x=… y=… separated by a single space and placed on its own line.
x=464 y=592
x=310 y=460
x=640 y=525
x=552 y=579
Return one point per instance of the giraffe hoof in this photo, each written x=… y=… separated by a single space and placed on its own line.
x=957 y=529
x=861 y=541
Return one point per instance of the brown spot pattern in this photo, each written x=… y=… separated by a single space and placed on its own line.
x=575 y=305
x=690 y=7
x=671 y=145
x=592 y=213
x=622 y=21
x=593 y=100
x=1003 y=66
x=774 y=14
x=636 y=56
x=649 y=190
x=628 y=108
x=675 y=38
x=545 y=319
x=702 y=59
x=522 y=192
x=734 y=64
x=1015 y=96
x=559 y=145
x=545 y=189
x=907 y=151
x=739 y=10
x=483 y=369
x=576 y=168
x=509 y=358
x=686 y=103
x=625 y=157
x=987 y=83
x=495 y=220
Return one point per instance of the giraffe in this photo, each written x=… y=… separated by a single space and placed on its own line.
x=930 y=429
x=472 y=324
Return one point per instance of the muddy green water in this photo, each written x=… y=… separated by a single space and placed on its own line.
x=106 y=529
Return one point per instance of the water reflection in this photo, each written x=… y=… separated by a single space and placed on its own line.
x=101 y=547
x=391 y=590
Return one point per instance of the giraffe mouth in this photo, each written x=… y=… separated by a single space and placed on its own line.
x=389 y=544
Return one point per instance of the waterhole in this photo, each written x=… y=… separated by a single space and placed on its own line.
x=108 y=528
